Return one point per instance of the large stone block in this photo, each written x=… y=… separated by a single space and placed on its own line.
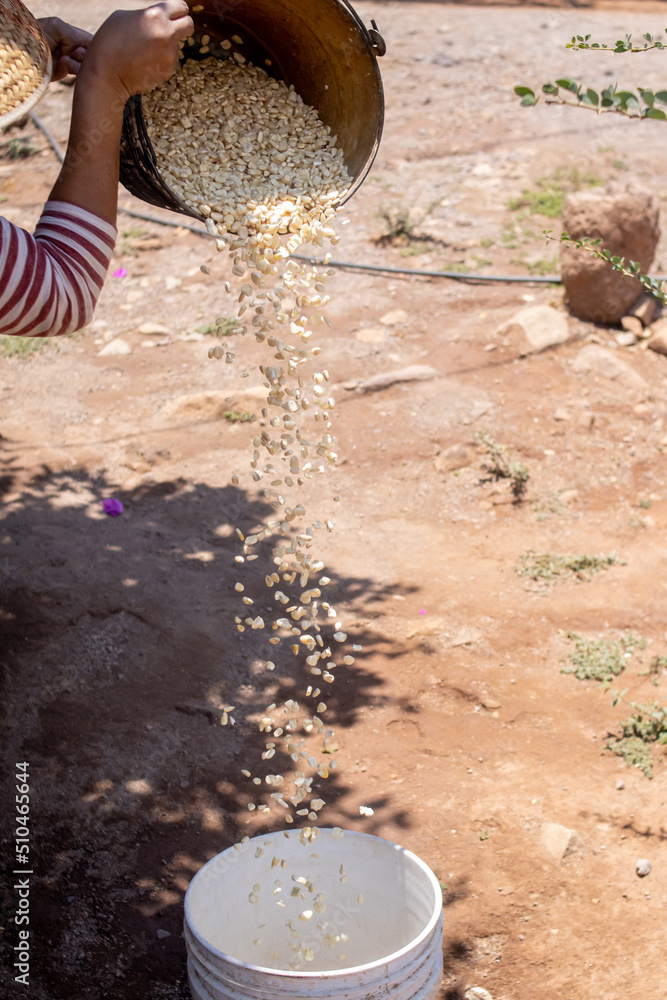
x=627 y=222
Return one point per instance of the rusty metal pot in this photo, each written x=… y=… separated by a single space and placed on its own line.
x=322 y=47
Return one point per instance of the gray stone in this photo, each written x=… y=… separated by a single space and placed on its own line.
x=413 y=373
x=150 y=329
x=633 y=325
x=395 y=317
x=535 y=328
x=625 y=339
x=455 y=457
x=658 y=341
x=643 y=867
x=620 y=785
x=595 y=360
x=477 y=993
x=627 y=222
x=117 y=346
x=558 y=841
x=645 y=309
x=162 y=934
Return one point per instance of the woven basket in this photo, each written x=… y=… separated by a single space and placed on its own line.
x=25 y=62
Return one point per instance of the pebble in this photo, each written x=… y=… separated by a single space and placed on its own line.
x=626 y=338
x=154 y=329
x=631 y=324
x=394 y=318
x=117 y=346
x=620 y=785
x=162 y=934
x=643 y=867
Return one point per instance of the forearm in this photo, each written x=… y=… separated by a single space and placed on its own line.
x=89 y=175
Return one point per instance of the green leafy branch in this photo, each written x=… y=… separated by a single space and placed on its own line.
x=609 y=101
x=623 y=45
x=629 y=269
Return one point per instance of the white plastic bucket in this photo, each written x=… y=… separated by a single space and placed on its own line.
x=393 y=945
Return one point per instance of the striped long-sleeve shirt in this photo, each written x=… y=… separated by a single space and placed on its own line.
x=50 y=282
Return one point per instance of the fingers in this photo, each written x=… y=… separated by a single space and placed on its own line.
x=175 y=9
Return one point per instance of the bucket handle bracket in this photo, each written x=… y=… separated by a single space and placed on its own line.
x=378 y=43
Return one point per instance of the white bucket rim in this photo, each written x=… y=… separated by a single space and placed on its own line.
x=336 y=973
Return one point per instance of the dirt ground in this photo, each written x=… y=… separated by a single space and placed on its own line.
x=456 y=724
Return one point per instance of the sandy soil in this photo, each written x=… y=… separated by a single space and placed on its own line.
x=456 y=724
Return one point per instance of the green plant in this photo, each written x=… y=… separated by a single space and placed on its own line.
x=223 y=326
x=549 y=567
x=633 y=104
x=21 y=347
x=630 y=269
x=238 y=416
x=397 y=225
x=502 y=465
x=549 y=195
x=645 y=725
x=19 y=149
x=645 y=503
x=599 y=659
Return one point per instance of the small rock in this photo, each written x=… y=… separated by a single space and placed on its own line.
x=477 y=993
x=172 y=283
x=490 y=703
x=196 y=406
x=595 y=360
x=644 y=310
x=371 y=335
x=658 y=341
x=558 y=841
x=394 y=318
x=586 y=421
x=561 y=414
x=162 y=934
x=625 y=339
x=455 y=457
x=154 y=328
x=632 y=325
x=535 y=328
x=620 y=785
x=568 y=496
x=117 y=346
x=413 y=373
x=466 y=636
x=643 y=867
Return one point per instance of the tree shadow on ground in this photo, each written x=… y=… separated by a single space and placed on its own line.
x=118 y=652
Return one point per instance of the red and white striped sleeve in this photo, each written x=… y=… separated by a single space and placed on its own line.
x=50 y=282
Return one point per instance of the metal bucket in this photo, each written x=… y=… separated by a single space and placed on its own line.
x=322 y=47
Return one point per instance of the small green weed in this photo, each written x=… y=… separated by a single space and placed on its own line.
x=548 y=197
x=223 y=326
x=397 y=225
x=134 y=233
x=21 y=347
x=547 y=567
x=600 y=659
x=645 y=725
x=634 y=752
x=238 y=416
x=19 y=149
x=645 y=504
x=501 y=464
x=460 y=267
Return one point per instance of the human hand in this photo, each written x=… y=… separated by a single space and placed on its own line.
x=68 y=45
x=134 y=51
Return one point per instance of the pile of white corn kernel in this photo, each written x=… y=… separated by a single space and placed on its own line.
x=244 y=151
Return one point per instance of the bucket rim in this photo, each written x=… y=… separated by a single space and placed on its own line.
x=336 y=973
